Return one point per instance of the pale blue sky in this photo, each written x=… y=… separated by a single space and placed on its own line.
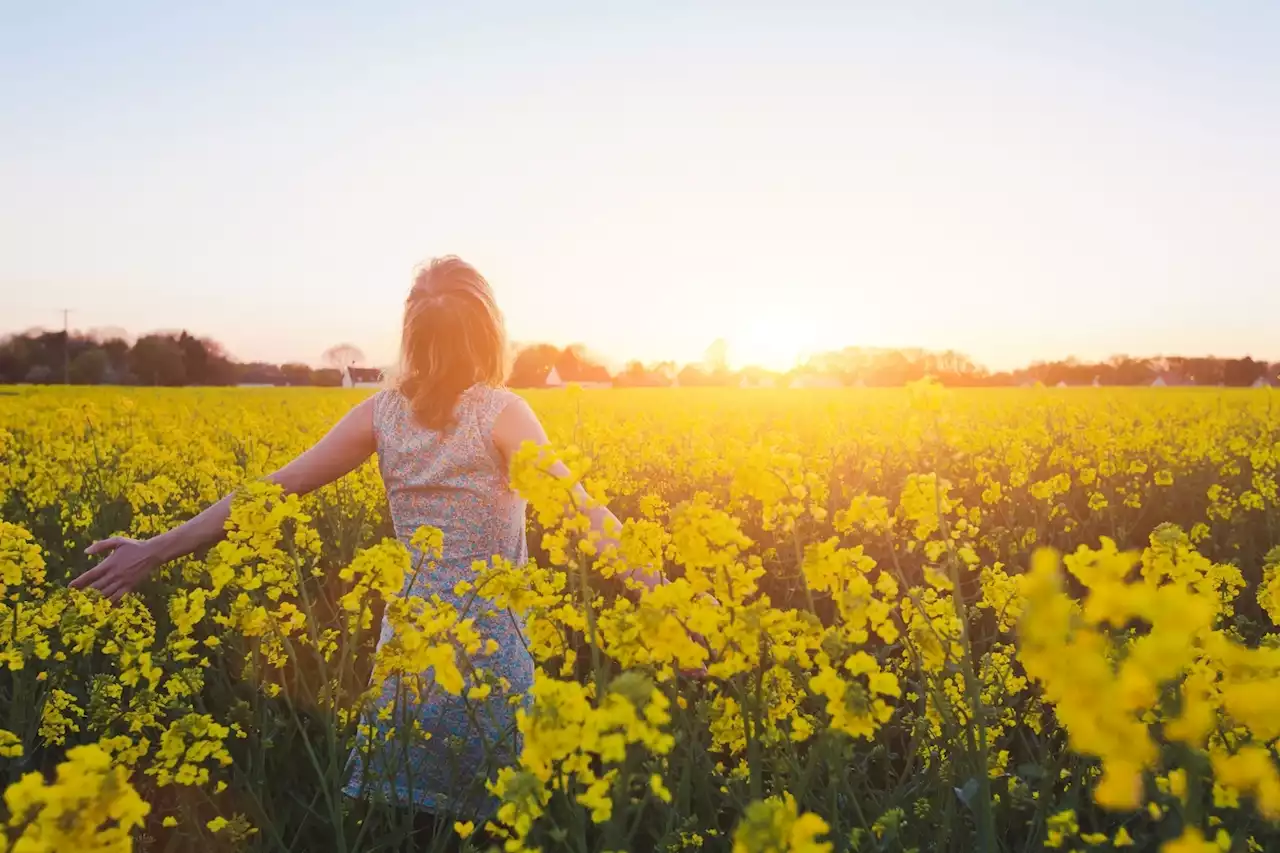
x=1014 y=180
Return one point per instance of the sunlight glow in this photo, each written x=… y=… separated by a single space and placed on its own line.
x=779 y=349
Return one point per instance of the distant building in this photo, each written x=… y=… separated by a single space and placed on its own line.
x=591 y=376
x=1170 y=379
x=361 y=377
x=1261 y=382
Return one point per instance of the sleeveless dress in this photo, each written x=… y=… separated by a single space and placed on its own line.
x=456 y=481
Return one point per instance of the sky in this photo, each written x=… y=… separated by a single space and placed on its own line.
x=1014 y=181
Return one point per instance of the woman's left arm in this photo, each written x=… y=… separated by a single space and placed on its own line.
x=129 y=561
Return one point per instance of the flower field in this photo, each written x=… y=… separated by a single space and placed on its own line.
x=995 y=620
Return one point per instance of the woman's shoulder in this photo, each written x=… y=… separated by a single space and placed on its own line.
x=480 y=405
x=490 y=400
x=387 y=400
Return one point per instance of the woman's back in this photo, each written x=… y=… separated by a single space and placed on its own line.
x=455 y=480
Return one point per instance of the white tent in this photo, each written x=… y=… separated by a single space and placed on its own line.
x=554 y=380
x=1159 y=383
x=1261 y=382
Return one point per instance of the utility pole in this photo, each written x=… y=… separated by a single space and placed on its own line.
x=66 y=347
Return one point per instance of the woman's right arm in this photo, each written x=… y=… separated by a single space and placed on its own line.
x=129 y=561
x=517 y=424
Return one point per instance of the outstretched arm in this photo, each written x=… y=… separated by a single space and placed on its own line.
x=517 y=424
x=129 y=561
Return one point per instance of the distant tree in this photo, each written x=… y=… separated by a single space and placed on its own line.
x=297 y=374
x=633 y=375
x=90 y=367
x=101 y=334
x=958 y=370
x=259 y=373
x=575 y=364
x=667 y=370
x=326 y=377
x=895 y=367
x=158 y=360
x=339 y=356
x=47 y=349
x=755 y=376
x=692 y=376
x=716 y=358
x=1205 y=371
x=15 y=358
x=1124 y=370
x=117 y=351
x=531 y=365
x=39 y=374
x=1240 y=372
x=636 y=375
x=204 y=361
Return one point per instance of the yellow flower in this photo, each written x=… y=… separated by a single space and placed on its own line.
x=90 y=805
x=10 y=745
x=775 y=826
x=1191 y=841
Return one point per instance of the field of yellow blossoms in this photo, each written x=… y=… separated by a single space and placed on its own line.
x=993 y=620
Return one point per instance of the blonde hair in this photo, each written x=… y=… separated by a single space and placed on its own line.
x=453 y=337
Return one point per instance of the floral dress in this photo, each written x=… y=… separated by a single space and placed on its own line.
x=455 y=481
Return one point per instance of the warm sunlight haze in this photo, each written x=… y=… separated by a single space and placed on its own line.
x=661 y=427
x=1014 y=183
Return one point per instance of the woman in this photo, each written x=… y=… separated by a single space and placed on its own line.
x=445 y=436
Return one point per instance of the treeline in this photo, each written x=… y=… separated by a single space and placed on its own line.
x=180 y=358
x=165 y=358
x=849 y=366
x=1171 y=370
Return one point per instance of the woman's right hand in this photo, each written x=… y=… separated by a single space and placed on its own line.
x=128 y=563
